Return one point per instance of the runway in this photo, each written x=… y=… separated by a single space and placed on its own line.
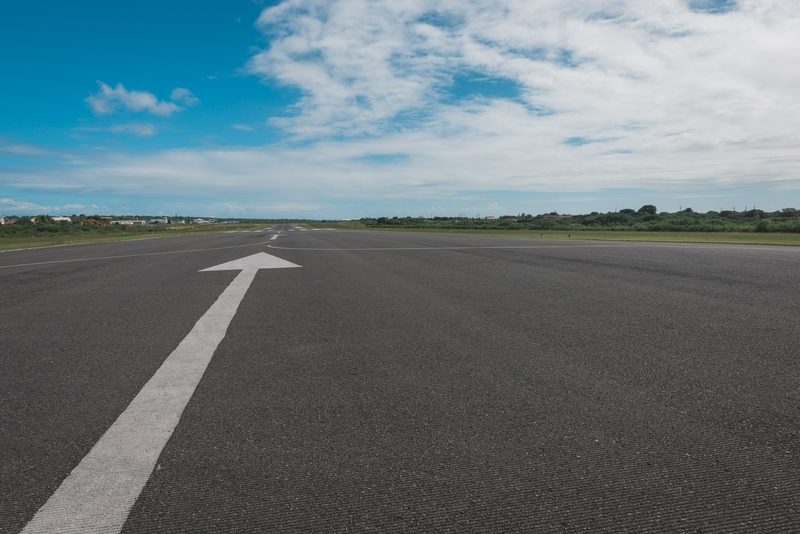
x=416 y=382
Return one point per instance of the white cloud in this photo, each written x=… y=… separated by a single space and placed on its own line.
x=110 y=100
x=135 y=128
x=614 y=93
x=23 y=207
x=242 y=127
x=441 y=168
x=658 y=96
x=181 y=95
x=13 y=148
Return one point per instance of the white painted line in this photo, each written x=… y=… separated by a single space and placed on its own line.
x=99 y=493
x=276 y=236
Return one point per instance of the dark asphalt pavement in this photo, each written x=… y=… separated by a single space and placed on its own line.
x=419 y=383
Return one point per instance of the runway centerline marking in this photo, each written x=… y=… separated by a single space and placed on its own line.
x=99 y=493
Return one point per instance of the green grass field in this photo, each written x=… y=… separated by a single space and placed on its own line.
x=773 y=238
x=13 y=243
x=673 y=237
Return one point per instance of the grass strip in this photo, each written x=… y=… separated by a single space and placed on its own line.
x=14 y=243
x=749 y=238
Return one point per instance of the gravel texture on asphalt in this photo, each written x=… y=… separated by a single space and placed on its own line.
x=429 y=383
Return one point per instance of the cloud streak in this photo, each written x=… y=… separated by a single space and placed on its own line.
x=23 y=207
x=181 y=95
x=135 y=128
x=110 y=100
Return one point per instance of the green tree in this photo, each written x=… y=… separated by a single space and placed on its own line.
x=648 y=209
x=765 y=225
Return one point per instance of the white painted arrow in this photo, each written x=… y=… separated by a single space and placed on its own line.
x=253 y=263
x=99 y=493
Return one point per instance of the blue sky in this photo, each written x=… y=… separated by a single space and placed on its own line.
x=341 y=109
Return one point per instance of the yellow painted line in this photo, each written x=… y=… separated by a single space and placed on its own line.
x=123 y=256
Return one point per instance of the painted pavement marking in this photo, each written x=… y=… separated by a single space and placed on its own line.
x=99 y=493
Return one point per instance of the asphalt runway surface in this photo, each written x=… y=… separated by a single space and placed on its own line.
x=403 y=382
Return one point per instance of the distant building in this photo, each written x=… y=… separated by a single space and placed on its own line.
x=130 y=223
x=490 y=218
x=58 y=218
x=161 y=220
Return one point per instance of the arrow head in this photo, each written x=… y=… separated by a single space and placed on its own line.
x=262 y=260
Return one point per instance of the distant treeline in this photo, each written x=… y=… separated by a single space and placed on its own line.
x=645 y=219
